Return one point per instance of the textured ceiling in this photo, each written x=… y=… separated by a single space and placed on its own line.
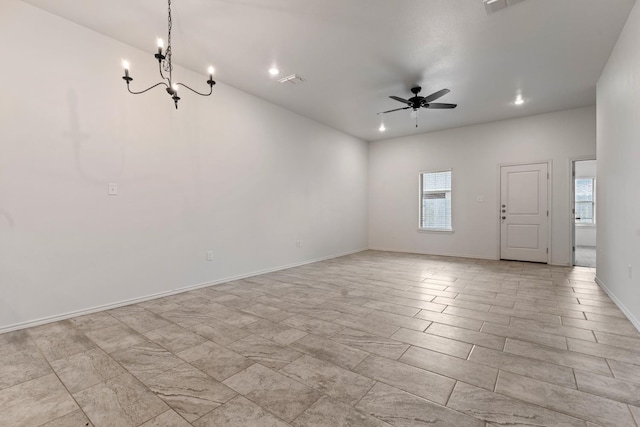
x=353 y=54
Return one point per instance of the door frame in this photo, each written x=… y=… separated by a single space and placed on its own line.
x=572 y=199
x=549 y=163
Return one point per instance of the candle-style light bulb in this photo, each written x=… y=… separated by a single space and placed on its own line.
x=160 y=46
x=125 y=64
x=211 y=71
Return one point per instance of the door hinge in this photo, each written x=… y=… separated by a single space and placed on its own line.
x=547 y=175
x=547 y=213
x=574 y=249
x=547 y=250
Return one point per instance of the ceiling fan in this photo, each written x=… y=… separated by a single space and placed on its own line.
x=416 y=102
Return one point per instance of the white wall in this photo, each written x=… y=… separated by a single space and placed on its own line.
x=586 y=234
x=618 y=209
x=474 y=153
x=229 y=173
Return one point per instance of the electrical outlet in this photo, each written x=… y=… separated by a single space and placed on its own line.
x=113 y=189
x=209 y=255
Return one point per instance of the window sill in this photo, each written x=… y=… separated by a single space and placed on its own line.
x=435 y=230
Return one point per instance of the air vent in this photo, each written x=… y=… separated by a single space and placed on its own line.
x=493 y=6
x=293 y=79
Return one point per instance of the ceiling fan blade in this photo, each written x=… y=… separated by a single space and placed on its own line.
x=438 y=106
x=397 y=109
x=435 y=95
x=404 y=101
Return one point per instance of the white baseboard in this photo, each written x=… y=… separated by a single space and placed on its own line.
x=411 y=251
x=82 y=312
x=620 y=305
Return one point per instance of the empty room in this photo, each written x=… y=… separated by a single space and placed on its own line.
x=320 y=213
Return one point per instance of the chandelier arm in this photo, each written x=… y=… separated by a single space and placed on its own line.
x=161 y=74
x=146 y=90
x=195 y=91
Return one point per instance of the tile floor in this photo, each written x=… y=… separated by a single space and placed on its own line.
x=371 y=339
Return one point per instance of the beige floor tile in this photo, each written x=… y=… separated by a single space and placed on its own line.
x=312 y=325
x=402 y=409
x=549 y=372
x=608 y=387
x=565 y=331
x=465 y=335
x=93 y=321
x=60 y=339
x=276 y=332
x=330 y=351
x=20 y=362
x=174 y=338
x=329 y=379
x=635 y=411
x=393 y=308
x=265 y=352
x=629 y=343
x=451 y=320
x=122 y=401
x=35 y=402
x=364 y=341
x=499 y=410
x=625 y=371
x=543 y=338
x=143 y=321
x=477 y=315
x=602 y=327
x=167 y=419
x=525 y=314
x=603 y=350
x=146 y=360
x=189 y=391
x=86 y=369
x=239 y=412
x=267 y=312
x=573 y=402
x=455 y=302
x=72 y=419
x=326 y=412
x=560 y=357
x=399 y=320
x=429 y=385
x=452 y=367
x=273 y=391
x=366 y=325
x=115 y=338
x=220 y=332
x=433 y=342
x=215 y=360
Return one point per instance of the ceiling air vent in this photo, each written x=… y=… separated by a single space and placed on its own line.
x=493 y=6
x=293 y=79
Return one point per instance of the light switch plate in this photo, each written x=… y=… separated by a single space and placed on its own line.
x=113 y=189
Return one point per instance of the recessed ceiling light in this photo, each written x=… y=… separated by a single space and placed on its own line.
x=519 y=100
x=274 y=71
x=382 y=128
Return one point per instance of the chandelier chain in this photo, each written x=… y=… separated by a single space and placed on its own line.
x=168 y=67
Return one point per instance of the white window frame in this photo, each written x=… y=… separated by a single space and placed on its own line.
x=420 y=195
x=593 y=202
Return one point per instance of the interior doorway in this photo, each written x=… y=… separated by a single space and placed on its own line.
x=524 y=212
x=584 y=199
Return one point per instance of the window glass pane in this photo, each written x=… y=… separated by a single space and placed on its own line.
x=584 y=201
x=435 y=207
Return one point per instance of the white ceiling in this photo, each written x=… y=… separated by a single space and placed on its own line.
x=355 y=53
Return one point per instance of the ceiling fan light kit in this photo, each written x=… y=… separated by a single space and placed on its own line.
x=164 y=63
x=416 y=102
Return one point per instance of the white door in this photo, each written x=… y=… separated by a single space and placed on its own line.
x=524 y=216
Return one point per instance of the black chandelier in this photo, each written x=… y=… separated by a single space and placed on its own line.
x=164 y=63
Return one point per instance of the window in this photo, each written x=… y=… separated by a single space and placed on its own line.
x=585 y=201
x=435 y=201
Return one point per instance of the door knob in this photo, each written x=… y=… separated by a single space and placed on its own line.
x=504 y=217
x=504 y=206
x=504 y=210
